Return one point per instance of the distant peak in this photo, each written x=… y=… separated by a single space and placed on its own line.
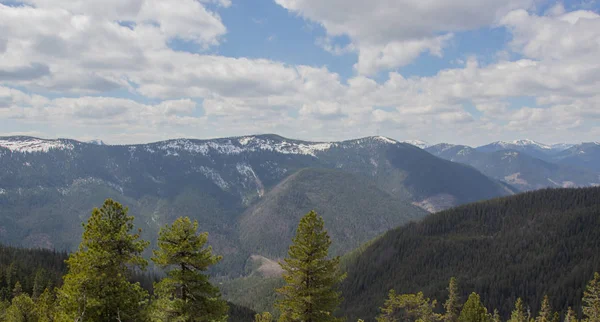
x=385 y=139
x=522 y=143
x=96 y=142
x=418 y=143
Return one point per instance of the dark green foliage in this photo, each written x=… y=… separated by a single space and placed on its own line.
x=543 y=242
x=21 y=309
x=186 y=294
x=452 y=306
x=519 y=314
x=97 y=287
x=473 y=310
x=31 y=268
x=571 y=316
x=263 y=317
x=545 y=314
x=238 y=313
x=408 y=307
x=310 y=293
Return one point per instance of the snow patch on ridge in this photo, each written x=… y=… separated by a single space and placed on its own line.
x=523 y=143
x=214 y=176
x=246 y=144
x=418 y=143
x=32 y=145
x=249 y=174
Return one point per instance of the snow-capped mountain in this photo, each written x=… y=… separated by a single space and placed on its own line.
x=418 y=143
x=531 y=147
x=32 y=145
x=215 y=181
x=585 y=155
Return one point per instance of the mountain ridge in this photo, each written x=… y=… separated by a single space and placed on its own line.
x=213 y=181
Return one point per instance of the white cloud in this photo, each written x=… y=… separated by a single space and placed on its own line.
x=391 y=34
x=373 y=58
x=75 y=48
x=185 y=19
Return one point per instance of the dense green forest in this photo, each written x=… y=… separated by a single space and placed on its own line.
x=525 y=258
x=528 y=245
x=34 y=269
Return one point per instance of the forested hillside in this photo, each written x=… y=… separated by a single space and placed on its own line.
x=354 y=209
x=48 y=186
x=34 y=269
x=528 y=245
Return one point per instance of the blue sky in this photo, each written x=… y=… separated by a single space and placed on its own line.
x=143 y=70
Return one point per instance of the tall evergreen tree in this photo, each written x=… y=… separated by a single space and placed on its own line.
x=452 y=304
x=96 y=287
x=473 y=310
x=186 y=294
x=571 y=316
x=38 y=283
x=519 y=314
x=496 y=316
x=44 y=306
x=545 y=314
x=591 y=299
x=310 y=293
x=17 y=290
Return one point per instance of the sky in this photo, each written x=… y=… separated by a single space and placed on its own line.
x=462 y=71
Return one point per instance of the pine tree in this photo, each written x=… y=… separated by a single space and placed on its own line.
x=591 y=299
x=452 y=304
x=473 y=310
x=411 y=307
x=496 y=316
x=44 y=306
x=38 y=284
x=186 y=293
x=545 y=314
x=17 y=290
x=264 y=317
x=518 y=314
x=310 y=293
x=10 y=275
x=96 y=287
x=571 y=316
x=22 y=309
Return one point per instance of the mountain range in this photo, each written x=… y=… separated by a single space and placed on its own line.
x=528 y=165
x=48 y=187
